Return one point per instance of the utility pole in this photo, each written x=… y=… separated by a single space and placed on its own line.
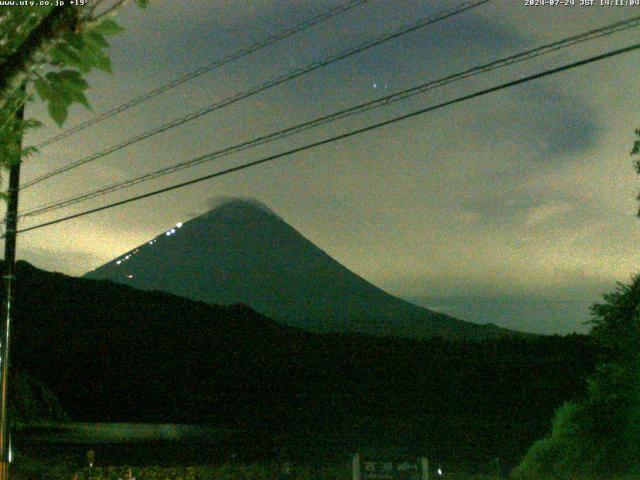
x=8 y=283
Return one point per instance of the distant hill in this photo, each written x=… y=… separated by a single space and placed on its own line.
x=533 y=314
x=241 y=252
x=112 y=353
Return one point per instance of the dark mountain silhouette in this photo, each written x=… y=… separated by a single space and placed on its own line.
x=241 y=252
x=112 y=353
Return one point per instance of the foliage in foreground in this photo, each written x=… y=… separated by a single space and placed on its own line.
x=30 y=401
x=600 y=436
x=62 y=469
x=49 y=51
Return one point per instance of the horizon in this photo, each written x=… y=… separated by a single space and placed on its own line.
x=532 y=315
x=525 y=193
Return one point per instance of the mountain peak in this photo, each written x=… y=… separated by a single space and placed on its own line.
x=240 y=251
x=238 y=204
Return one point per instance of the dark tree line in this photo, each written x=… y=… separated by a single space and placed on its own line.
x=113 y=353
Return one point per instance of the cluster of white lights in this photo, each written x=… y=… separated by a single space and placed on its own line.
x=128 y=256
x=151 y=242
x=170 y=232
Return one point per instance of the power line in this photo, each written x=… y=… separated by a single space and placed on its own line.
x=341 y=136
x=377 y=103
x=262 y=87
x=282 y=35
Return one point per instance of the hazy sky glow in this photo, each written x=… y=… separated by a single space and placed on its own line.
x=528 y=193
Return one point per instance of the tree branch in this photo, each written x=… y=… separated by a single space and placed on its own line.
x=59 y=20
x=111 y=9
x=16 y=107
x=92 y=9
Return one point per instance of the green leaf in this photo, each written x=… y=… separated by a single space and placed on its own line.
x=42 y=87
x=142 y=3
x=107 y=27
x=65 y=54
x=28 y=151
x=55 y=58
x=86 y=64
x=52 y=77
x=96 y=39
x=58 y=111
x=94 y=57
x=73 y=80
x=103 y=63
x=80 y=98
x=74 y=40
x=87 y=59
x=58 y=88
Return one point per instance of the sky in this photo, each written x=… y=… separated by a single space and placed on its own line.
x=517 y=207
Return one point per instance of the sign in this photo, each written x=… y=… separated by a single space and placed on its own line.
x=376 y=469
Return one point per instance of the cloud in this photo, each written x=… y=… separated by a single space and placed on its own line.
x=506 y=193
x=547 y=212
x=545 y=126
x=218 y=201
x=554 y=123
x=71 y=262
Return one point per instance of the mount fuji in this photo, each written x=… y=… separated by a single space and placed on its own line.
x=242 y=252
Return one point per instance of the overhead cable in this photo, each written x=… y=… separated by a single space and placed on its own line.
x=261 y=88
x=376 y=103
x=343 y=136
x=282 y=35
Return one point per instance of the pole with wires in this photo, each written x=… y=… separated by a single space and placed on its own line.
x=8 y=298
